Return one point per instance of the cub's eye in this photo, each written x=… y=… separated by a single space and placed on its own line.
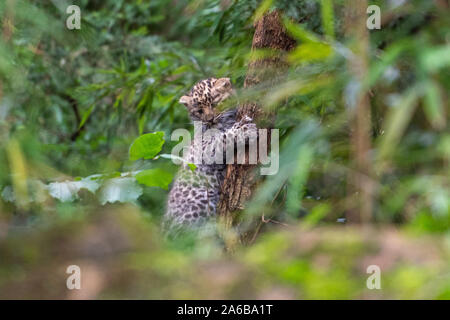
x=200 y=111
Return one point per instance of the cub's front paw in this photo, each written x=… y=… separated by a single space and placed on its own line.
x=246 y=119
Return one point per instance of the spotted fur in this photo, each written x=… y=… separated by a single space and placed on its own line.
x=194 y=195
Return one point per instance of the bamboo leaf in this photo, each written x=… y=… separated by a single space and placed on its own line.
x=397 y=121
x=328 y=18
x=433 y=106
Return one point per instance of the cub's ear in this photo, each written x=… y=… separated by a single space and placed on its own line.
x=223 y=84
x=186 y=100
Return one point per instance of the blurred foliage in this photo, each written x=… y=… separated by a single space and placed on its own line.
x=122 y=257
x=86 y=118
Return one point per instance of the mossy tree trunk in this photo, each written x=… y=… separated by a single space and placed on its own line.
x=240 y=179
x=361 y=179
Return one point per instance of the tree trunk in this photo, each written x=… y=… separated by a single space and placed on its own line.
x=240 y=179
x=361 y=186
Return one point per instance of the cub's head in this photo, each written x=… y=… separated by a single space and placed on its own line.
x=204 y=96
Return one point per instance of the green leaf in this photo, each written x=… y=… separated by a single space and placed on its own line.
x=262 y=9
x=155 y=178
x=300 y=33
x=433 y=106
x=192 y=166
x=147 y=146
x=436 y=58
x=181 y=69
x=328 y=18
x=86 y=116
x=141 y=123
x=120 y=190
x=67 y=191
x=397 y=121
x=317 y=214
x=388 y=59
x=298 y=177
x=313 y=51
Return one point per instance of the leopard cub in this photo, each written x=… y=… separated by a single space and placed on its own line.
x=194 y=195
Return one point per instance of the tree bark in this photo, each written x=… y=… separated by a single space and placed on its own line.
x=361 y=186
x=240 y=179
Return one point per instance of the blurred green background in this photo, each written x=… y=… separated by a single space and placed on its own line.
x=74 y=102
